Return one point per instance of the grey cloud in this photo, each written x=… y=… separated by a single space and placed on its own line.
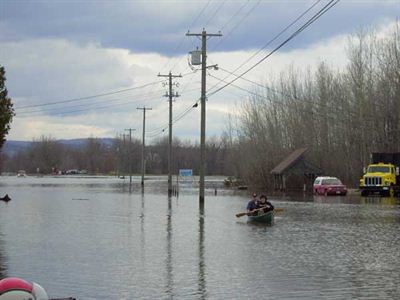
x=52 y=70
x=158 y=26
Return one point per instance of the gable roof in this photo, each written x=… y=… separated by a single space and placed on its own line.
x=289 y=161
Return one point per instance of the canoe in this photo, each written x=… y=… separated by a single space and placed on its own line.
x=262 y=217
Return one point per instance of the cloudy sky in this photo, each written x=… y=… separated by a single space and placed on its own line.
x=78 y=69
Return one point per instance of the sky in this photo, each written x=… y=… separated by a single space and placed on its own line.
x=79 y=69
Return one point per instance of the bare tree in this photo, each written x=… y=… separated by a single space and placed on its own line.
x=341 y=116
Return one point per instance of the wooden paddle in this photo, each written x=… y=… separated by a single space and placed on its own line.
x=258 y=209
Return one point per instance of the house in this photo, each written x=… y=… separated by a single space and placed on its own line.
x=295 y=172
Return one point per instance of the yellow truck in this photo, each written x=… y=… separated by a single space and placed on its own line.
x=382 y=175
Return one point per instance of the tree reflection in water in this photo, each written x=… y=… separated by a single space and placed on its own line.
x=3 y=269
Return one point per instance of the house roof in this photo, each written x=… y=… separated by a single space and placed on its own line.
x=289 y=161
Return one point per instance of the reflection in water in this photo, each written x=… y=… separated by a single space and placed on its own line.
x=352 y=199
x=169 y=269
x=202 y=276
x=142 y=232
x=3 y=269
x=326 y=247
x=380 y=200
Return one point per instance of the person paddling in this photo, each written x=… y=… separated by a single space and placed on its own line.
x=253 y=205
x=266 y=204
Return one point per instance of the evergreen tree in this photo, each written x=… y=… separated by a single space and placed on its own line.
x=6 y=108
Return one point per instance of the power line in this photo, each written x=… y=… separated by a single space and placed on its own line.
x=163 y=127
x=304 y=26
x=186 y=111
x=315 y=104
x=234 y=16
x=94 y=96
x=215 y=13
x=273 y=39
x=238 y=23
x=188 y=83
x=309 y=22
x=175 y=120
x=338 y=114
x=89 y=97
x=115 y=101
x=298 y=31
x=183 y=37
x=158 y=130
x=200 y=13
x=88 y=109
x=180 y=116
x=262 y=96
x=272 y=90
x=250 y=81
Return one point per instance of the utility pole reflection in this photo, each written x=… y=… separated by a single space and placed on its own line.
x=202 y=265
x=142 y=233
x=169 y=268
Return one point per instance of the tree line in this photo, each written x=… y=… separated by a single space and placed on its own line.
x=47 y=155
x=340 y=115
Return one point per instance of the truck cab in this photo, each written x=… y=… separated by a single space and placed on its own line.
x=379 y=178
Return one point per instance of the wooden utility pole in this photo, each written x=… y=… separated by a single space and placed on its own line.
x=143 y=140
x=170 y=95
x=204 y=35
x=130 y=153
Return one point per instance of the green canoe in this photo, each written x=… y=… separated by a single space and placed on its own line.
x=262 y=217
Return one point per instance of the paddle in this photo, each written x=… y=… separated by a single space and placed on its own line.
x=258 y=209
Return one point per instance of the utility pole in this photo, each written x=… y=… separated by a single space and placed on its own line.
x=130 y=154
x=204 y=35
x=124 y=154
x=143 y=140
x=170 y=95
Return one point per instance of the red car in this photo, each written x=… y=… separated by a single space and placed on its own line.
x=329 y=186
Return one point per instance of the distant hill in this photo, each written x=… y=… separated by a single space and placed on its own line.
x=11 y=148
x=80 y=142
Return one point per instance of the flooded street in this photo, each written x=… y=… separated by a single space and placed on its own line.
x=92 y=238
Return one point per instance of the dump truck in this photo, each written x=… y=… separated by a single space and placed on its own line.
x=382 y=175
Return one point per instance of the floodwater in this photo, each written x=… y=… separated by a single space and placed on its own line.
x=93 y=238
